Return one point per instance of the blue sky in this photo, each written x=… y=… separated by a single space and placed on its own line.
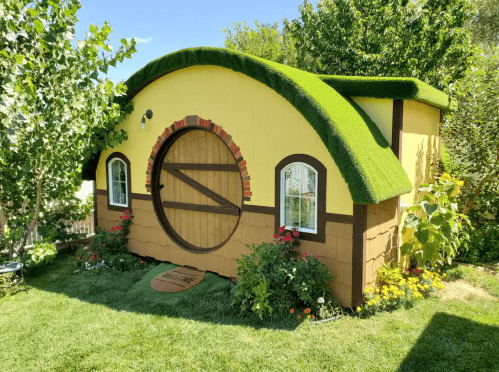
x=165 y=26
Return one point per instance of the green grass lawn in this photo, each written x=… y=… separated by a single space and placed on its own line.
x=115 y=322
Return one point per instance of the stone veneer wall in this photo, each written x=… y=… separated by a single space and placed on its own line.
x=382 y=222
x=147 y=238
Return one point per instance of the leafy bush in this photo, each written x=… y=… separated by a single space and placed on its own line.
x=38 y=255
x=270 y=278
x=435 y=222
x=115 y=242
x=395 y=289
x=88 y=259
x=483 y=244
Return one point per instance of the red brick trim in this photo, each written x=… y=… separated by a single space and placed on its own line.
x=193 y=121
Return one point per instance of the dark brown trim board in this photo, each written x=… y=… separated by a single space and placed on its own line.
x=95 y=204
x=110 y=207
x=340 y=218
x=359 y=240
x=397 y=127
x=321 y=194
x=258 y=209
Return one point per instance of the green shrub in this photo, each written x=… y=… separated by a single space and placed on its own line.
x=38 y=255
x=115 y=242
x=483 y=245
x=272 y=279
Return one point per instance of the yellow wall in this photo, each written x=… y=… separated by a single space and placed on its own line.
x=419 y=144
x=265 y=126
x=380 y=111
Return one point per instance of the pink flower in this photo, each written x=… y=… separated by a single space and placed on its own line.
x=276 y=236
x=127 y=217
x=119 y=227
x=127 y=211
x=103 y=245
x=296 y=233
x=113 y=228
x=316 y=256
x=286 y=239
x=121 y=217
x=281 y=229
x=306 y=254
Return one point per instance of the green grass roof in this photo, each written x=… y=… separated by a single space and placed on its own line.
x=390 y=87
x=363 y=156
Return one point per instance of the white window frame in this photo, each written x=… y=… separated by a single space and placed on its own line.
x=110 y=186
x=283 y=197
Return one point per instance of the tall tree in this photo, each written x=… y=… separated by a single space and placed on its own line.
x=485 y=24
x=55 y=110
x=267 y=41
x=471 y=133
x=426 y=39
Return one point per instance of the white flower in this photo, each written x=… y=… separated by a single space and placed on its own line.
x=122 y=260
x=243 y=302
x=103 y=262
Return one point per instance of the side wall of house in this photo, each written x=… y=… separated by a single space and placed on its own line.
x=381 y=237
x=267 y=129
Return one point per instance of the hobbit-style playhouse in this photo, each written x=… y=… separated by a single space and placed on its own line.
x=235 y=146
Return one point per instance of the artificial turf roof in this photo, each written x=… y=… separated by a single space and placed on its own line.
x=362 y=154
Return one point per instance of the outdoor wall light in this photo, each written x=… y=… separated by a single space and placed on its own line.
x=148 y=114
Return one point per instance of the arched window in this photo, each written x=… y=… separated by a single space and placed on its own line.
x=118 y=182
x=300 y=196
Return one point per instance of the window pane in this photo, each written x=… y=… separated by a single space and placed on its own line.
x=291 y=212
x=122 y=176
x=293 y=180
x=308 y=213
x=122 y=193
x=115 y=170
x=308 y=182
x=116 y=192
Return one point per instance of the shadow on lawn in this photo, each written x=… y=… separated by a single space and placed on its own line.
x=454 y=341
x=131 y=291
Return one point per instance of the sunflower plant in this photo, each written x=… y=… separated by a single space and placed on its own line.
x=435 y=222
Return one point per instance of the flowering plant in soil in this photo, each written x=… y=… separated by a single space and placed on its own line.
x=109 y=249
x=395 y=289
x=272 y=279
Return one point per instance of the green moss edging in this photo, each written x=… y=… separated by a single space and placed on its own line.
x=363 y=156
x=390 y=87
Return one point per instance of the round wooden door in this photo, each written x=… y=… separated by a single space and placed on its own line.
x=197 y=190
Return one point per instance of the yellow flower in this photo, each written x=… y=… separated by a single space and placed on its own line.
x=386 y=298
x=377 y=290
x=420 y=268
x=358 y=308
x=438 y=270
x=402 y=282
x=425 y=277
x=460 y=183
x=366 y=290
x=371 y=288
x=445 y=177
x=426 y=286
x=394 y=296
x=444 y=275
x=455 y=191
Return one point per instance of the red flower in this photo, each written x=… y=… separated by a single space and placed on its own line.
x=127 y=217
x=306 y=254
x=281 y=229
x=103 y=245
x=127 y=211
x=276 y=243
x=292 y=311
x=113 y=228
x=296 y=233
x=299 y=316
x=141 y=261
x=276 y=236
x=286 y=239
x=313 y=316
x=306 y=311
x=121 y=217
x=119 y=227
x=316 y=256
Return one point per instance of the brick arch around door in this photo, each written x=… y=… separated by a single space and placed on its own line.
x=198 y=182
